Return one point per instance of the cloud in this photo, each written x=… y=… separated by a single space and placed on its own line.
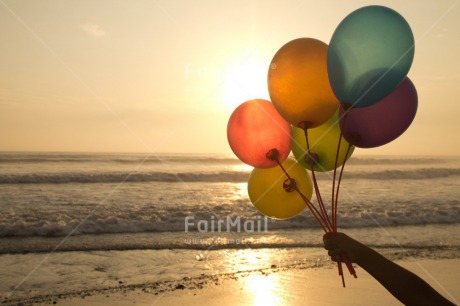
x=93 y=29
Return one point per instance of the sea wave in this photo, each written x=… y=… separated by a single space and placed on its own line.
x=204 y=219
x=8 y=158
x=217 y=176
x=152 y=158
x=396 y=160
x=414 y=174
x=116 y=177
x=124 y=242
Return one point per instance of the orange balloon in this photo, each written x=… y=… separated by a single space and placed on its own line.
x=298 y=83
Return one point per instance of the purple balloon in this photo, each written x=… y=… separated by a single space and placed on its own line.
x=382 y=122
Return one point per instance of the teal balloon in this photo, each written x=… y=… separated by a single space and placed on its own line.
x=369 y=55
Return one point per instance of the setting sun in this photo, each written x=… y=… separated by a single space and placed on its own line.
x=245 y=79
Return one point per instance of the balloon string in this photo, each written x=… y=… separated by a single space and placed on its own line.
x=316 y=187
x=311 y=162
x=322 y=212
x=347 y=261
x=282 y=168
x=314 y=211
x=338 y=187
x=310 y=205
x=335 y=199
x=334 y=205
x=339 y=266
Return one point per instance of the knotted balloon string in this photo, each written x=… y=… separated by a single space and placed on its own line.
x=290 y=185
x=338 y=186
x=312 y=160
x=347 y=262
x=335 y=199
x=339 y=267
x=334 y=203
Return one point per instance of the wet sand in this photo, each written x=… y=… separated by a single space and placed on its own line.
x=275 y=286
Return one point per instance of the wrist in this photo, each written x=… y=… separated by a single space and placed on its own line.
x=365 y=256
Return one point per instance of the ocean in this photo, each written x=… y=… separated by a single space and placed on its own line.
x=78 y=216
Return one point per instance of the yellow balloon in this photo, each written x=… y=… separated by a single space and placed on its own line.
x=266 y=191
x=323 y=142
x=298 y=83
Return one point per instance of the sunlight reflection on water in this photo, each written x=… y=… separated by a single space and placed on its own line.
x=265 y=290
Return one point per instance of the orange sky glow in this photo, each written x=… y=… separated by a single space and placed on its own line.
x=164 y=76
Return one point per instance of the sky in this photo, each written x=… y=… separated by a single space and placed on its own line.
x=164 y=76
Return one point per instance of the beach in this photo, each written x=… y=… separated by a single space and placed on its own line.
x=299 y=285
x=293 y=287
x=122 y=229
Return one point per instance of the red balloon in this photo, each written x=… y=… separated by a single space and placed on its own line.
x=255 y=128
x=382 y=122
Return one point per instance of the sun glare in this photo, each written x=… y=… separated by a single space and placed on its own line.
x=245 y=79
x=243 y=168
x=265 y=290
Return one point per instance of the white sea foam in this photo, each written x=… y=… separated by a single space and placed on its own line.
x=169 y=219
x=57 y=194
x=220 y=176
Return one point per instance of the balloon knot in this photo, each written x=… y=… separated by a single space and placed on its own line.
x=289 y=185
x=311 y=158
x=304 y=125
x=273 y=154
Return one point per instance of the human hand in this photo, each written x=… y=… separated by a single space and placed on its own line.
x=340 y=245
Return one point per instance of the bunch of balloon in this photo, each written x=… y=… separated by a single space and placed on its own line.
x=369 y=56
x=352 y=93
